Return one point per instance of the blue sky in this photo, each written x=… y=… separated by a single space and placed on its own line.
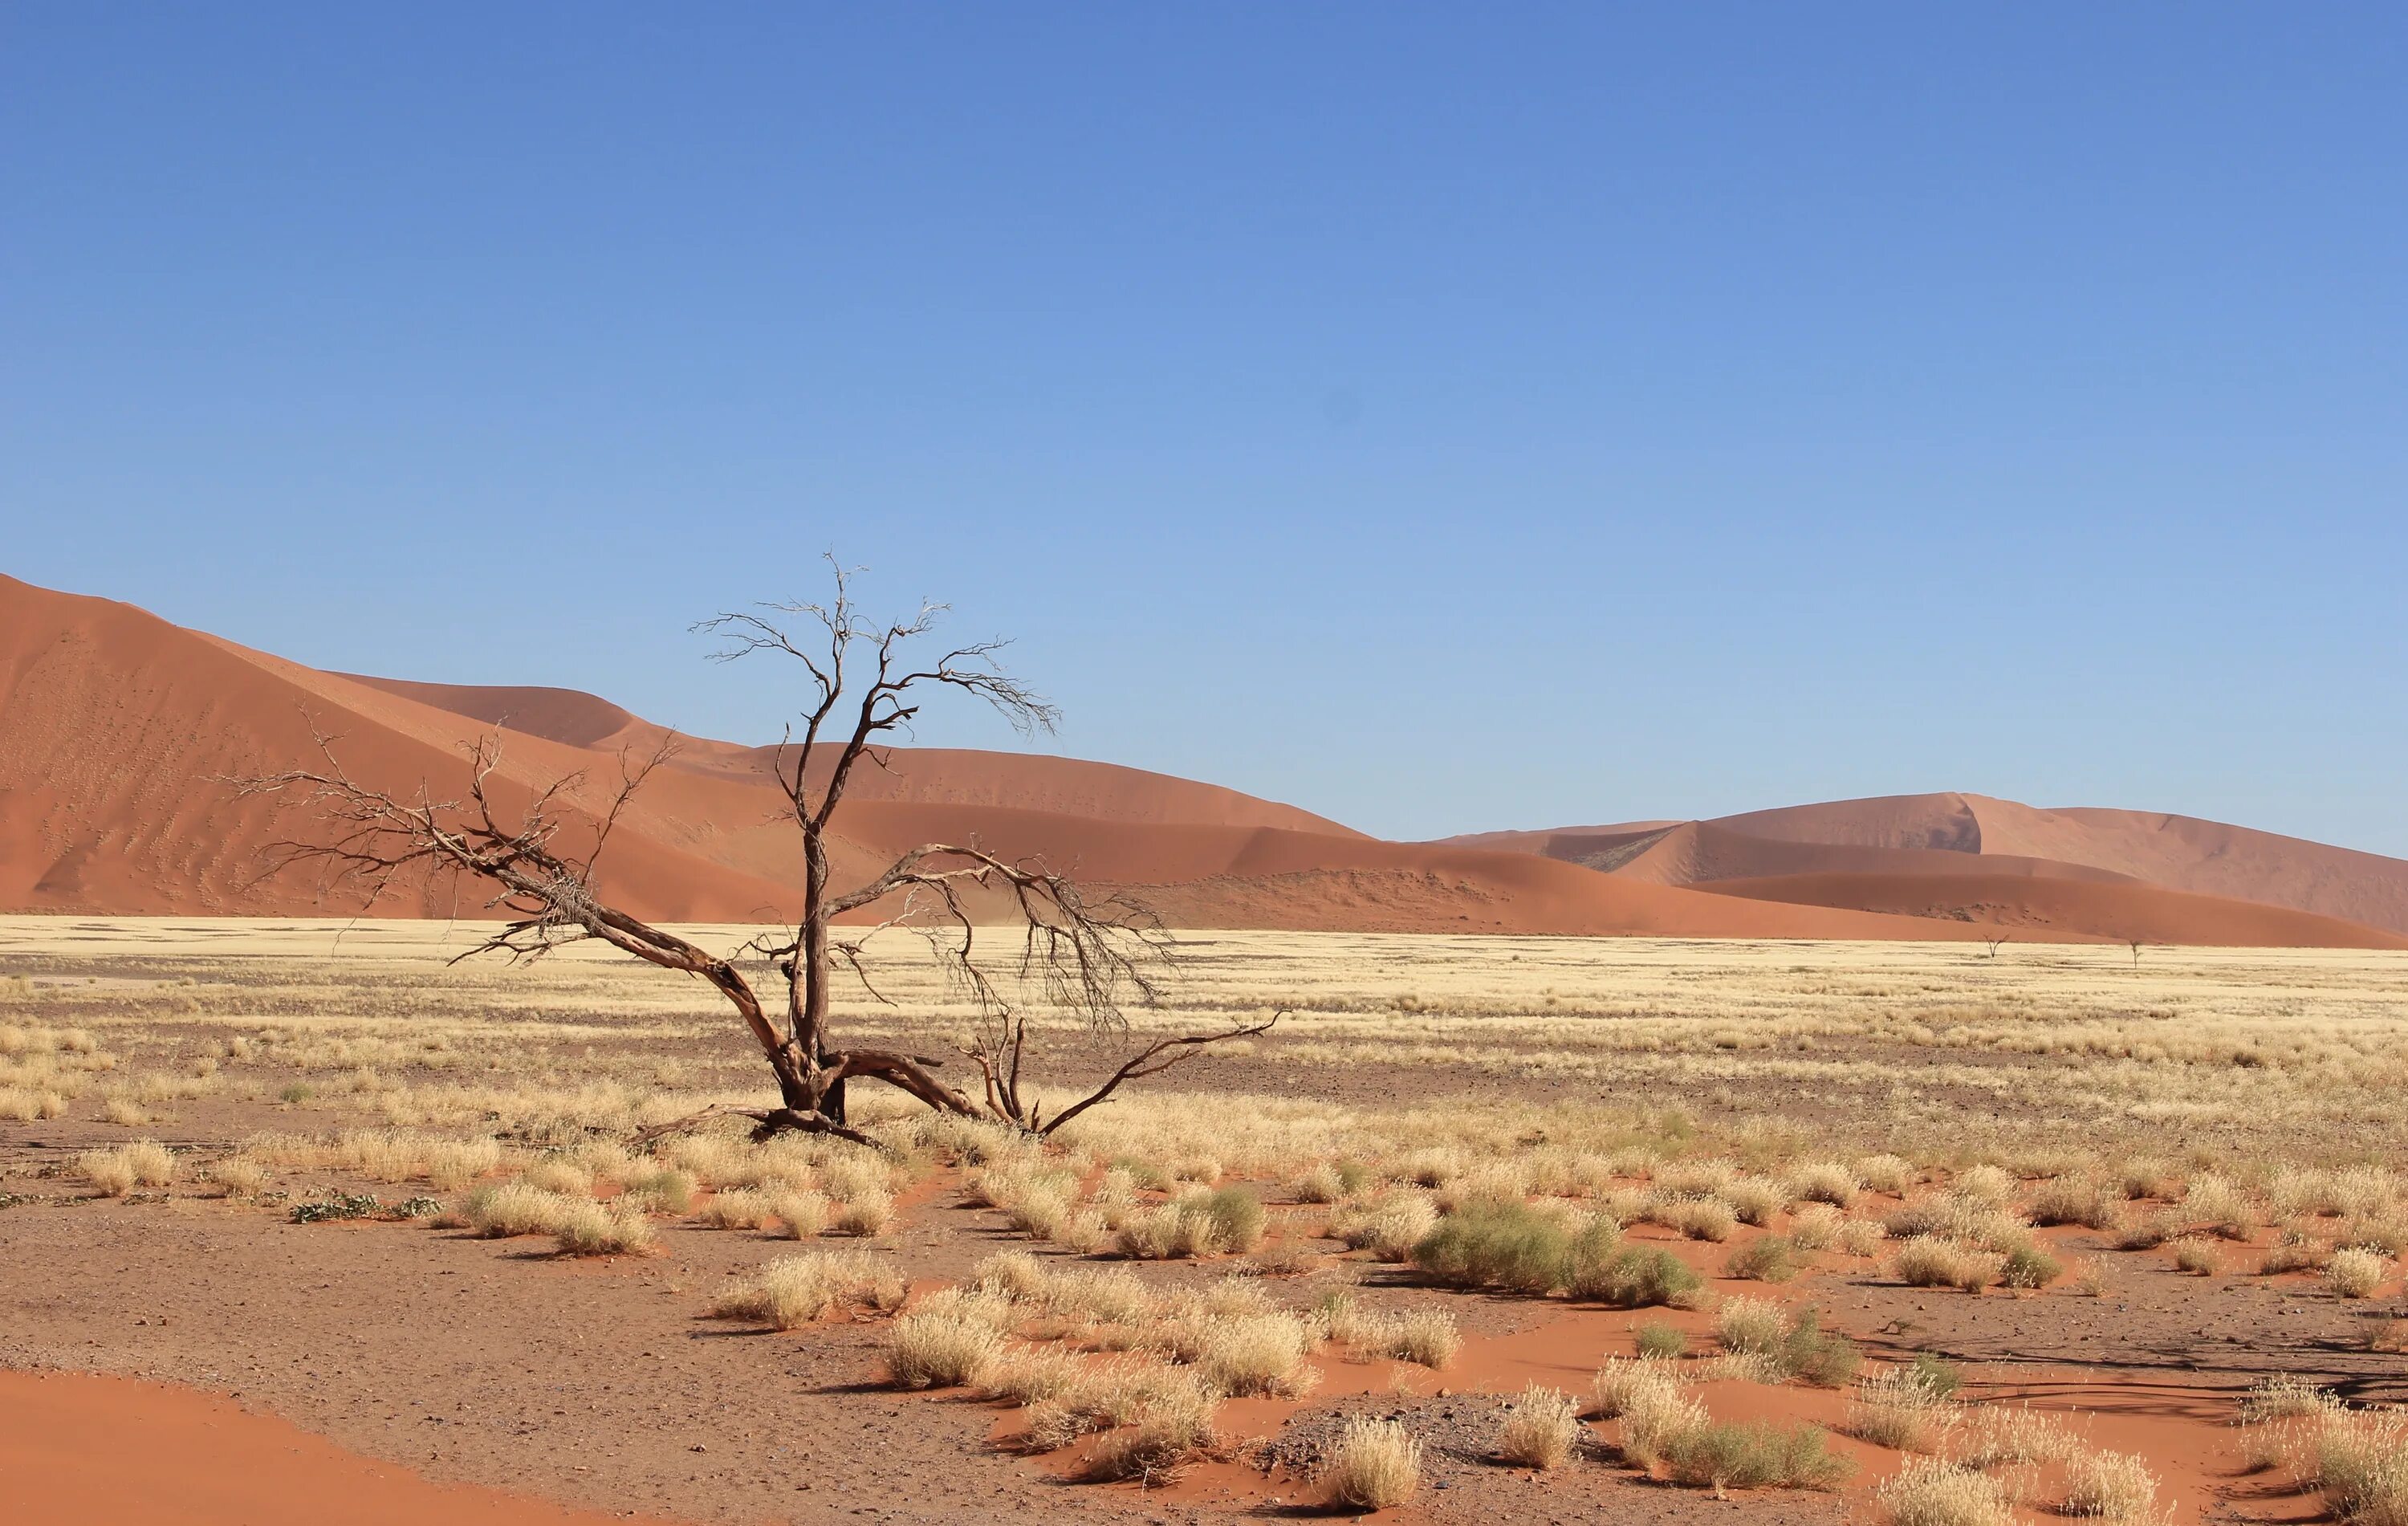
x=1441 y=418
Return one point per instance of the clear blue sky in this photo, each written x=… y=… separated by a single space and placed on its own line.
x=1440 y=418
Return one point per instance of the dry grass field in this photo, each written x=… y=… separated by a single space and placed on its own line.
x=1587 y=1227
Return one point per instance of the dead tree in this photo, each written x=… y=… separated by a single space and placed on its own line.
x=1994 y=944
x=1089 y=958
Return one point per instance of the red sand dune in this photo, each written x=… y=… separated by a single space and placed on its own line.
x=118 y=730
x=121 y=729
x=2047 y=909
x=2231 y=885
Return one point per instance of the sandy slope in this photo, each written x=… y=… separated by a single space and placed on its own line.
x=121 y=729
x=2046 y=908
x=2016 y=860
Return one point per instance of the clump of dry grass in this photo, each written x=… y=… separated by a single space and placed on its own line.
x=1168 y=1231
x=2215 y=1203
x=1768 y=1343
x=1815 y=1226
x=1027 y=1374
x=1541 y=1429
x=1156 y=1416
x=2110 y=1486
x=453 y=1164
x=659 y=1189
x=2089 y=1201
x=797 y=1289
x=1997 y=1435
x=1826 y=1182
x=1902 y=1409
x=1388 y=1226
x=2360 y=1467
x=1698 y=1219
x=27 y=1105
x=868 y=1211
x=1928 y=1262
x=1859 y=1237
x=559 y=1174
x=1930 y=1492
x=238 y=1176
x=1653 y=1403
x=1749 y=1325
x=115 y=1173
x=1101 y=1296
x=1768 y=1258
x=737 y=1208
x=799 y=1213
x=1376 y=1465
x=2355 y=1273
x=586 y=1228
x=1013 y=1275
x=2194 y=1256
x=1427 y=1336
x=950 y=1338
x=1254 y=1353
x=499 y=1210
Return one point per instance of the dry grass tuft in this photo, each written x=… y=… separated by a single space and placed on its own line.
x=1376 y=1465
x=1902 y=1409
x=2355 y=1273
x=1929 y=1261
x=587 y=1228
x=2110 y=1486
x=115 y=1173
x=1999 y=1435
x=797 y=1289
x=502 y=1209
x=1541 y=1429
x=1930 y=1492
x=952 y=1338
x=1248 y=1353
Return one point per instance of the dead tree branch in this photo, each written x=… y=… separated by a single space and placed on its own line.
x=537 y=864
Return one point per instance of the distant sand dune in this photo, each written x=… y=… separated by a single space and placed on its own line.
x=118 y=731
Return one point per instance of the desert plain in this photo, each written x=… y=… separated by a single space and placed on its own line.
x=1486 y=1228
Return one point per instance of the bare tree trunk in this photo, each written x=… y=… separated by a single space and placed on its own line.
x=1085 y=958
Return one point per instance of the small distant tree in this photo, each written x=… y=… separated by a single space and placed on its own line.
x=1090 y=958
x=2136 y=946
x=1994 y=944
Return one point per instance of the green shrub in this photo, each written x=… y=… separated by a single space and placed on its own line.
x=1660 y=1342
x=1755 y=1454
x=1770 y=1259
x=1497 y=1243
x=2029 y=1266
x=1637 y=1277
x=664 y=1190
x=337 y=1205
x=1936 y=1375
x=1237 y=1216
x=1824 y=1358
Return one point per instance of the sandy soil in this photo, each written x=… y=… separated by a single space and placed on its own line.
x=597 y=1384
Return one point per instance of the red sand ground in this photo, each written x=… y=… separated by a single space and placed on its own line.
x=120 y=729
x=77 y=1448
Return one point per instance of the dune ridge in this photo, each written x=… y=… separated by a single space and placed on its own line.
x=1884 y=852
x=122 y=731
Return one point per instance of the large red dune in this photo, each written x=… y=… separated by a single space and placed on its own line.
x=2018 y=863
x=118 y=733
